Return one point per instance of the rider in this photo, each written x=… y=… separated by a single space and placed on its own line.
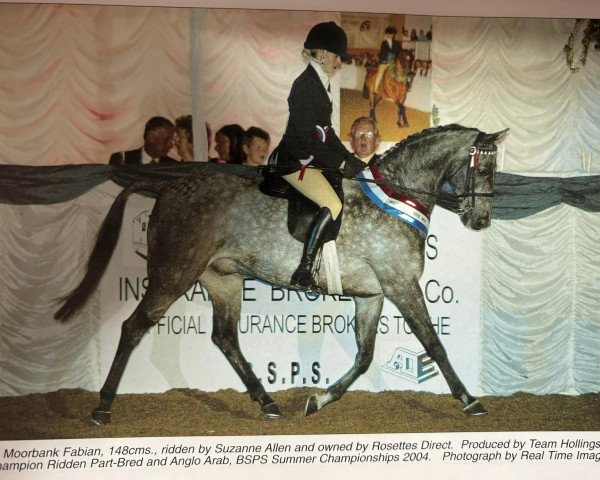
x=310 y=141
x=389 y=50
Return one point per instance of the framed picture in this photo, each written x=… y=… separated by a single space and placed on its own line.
x=165 y=312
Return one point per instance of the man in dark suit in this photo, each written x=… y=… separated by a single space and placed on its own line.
x=364 y=139
x=158 y=140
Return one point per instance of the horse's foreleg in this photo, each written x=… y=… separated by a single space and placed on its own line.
x=412 y=306
x=367 y=313
x=402 y=118
x=226 y=295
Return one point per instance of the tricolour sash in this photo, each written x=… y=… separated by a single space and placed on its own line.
x=394 y=203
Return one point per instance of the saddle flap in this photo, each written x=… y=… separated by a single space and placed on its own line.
x=301 y=210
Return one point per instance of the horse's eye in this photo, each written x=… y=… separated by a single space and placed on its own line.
x=482 y=170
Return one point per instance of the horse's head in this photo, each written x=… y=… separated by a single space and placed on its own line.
x=403 y=62
x=473 y=181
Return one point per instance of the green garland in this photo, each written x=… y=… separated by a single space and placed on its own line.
x=591 y=33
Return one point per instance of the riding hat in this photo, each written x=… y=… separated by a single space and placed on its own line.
x=328 y=36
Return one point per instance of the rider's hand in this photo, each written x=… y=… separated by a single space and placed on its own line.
x=352 y=166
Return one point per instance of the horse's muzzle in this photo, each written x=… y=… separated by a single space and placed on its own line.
x=481 y=223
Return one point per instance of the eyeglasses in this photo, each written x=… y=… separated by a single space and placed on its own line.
x=359 y=135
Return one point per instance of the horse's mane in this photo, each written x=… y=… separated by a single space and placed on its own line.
x=399 y=147
x=428 y=136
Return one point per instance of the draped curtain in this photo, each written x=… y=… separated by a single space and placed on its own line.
x=540 y=290
x=539 y=303
x=79 y=82
x=512 y=73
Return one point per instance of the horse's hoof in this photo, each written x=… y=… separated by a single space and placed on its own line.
x=100 y=417
x=475 y=409
x=271 y=411
x=312 y=405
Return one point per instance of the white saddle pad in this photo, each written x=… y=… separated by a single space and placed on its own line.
x=332 y=269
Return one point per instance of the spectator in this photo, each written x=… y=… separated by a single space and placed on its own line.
x=364 y=139
x=158 y=140
x=228 y=144
x=184 y=138
x=255 y=146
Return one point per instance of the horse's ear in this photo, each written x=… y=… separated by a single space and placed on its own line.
x=496 y=137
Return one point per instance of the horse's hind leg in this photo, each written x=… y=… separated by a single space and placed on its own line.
x=225 y=290
x=367 y=313
x=147 y=314
x=412 y=306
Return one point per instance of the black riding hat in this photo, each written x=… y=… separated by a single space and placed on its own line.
x=328 y=36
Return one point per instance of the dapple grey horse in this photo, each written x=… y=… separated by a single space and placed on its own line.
x=219 y=228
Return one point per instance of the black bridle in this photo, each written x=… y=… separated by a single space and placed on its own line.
x=472 y=167
x=445 y=199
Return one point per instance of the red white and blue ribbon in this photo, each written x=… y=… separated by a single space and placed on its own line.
x=322 y=133
x=392 y=202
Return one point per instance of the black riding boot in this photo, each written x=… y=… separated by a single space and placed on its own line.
x=302 y=277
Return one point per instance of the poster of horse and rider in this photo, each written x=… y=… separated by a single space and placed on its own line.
x=389 y=76
x=268 y=242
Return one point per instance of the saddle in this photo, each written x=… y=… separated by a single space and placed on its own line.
x=301 y=210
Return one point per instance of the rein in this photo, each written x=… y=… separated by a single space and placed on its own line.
x=445 y=199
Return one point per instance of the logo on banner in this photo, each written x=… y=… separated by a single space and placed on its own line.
x=140 y=234
x=414 y=366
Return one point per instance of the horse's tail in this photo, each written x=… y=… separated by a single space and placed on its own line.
x=106 y=242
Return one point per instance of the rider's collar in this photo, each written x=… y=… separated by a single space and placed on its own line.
x=321 y=73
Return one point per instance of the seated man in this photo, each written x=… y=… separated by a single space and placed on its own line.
x=364 y=139
x=158 y=140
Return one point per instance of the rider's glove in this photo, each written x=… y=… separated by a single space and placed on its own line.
x=352 y=166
